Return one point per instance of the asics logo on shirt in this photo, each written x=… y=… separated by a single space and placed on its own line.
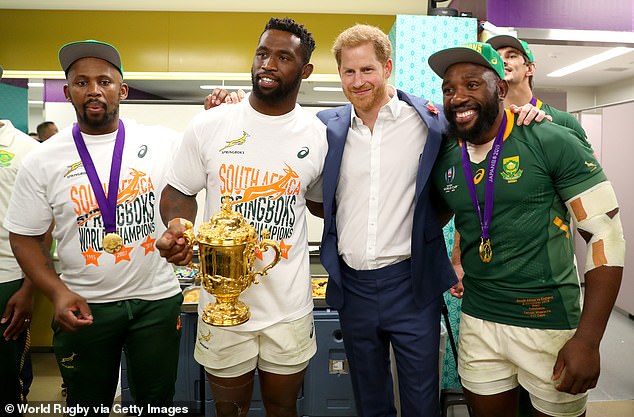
x=478 y=176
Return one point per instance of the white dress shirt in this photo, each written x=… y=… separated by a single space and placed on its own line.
x=376 y=189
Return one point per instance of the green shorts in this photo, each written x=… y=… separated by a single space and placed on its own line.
x=12 y=353
x=148 y=331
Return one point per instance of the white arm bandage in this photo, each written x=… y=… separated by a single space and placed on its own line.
x=590 y=212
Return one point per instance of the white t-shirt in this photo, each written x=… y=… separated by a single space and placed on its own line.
x=53 y=185
x=377 y=185
x=269 y=162
x=14 y=145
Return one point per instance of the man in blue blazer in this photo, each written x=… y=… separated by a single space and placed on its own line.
x=382 y=245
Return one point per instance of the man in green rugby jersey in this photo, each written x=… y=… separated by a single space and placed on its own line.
x=519 y=70
x=522 y=322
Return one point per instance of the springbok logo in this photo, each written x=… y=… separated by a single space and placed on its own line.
x=72 y=168
x=274 y=190
x=205 y=337
x=5 y=158
x=128 y=194
x=235 y=142
x=511 y=169
x=132 y=190
x=66 y=362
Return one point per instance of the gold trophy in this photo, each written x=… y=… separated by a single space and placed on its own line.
x=226 y=250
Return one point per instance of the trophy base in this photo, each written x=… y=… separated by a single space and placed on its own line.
x=226 y=314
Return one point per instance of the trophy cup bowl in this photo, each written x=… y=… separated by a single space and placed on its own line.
x=227 y=246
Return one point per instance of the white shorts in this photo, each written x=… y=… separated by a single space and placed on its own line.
x=283 y=348
x=494 y=358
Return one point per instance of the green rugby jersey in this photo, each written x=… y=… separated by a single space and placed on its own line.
x=562 y=118
x=531 y=280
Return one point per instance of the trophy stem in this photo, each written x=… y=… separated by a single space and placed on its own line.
x=226 y=313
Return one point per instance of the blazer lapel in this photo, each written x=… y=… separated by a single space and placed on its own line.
x=435 y=126
x=430 y=152
x=337 y=131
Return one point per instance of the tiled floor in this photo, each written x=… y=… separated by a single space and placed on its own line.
x=613 y=397
x=617 y=361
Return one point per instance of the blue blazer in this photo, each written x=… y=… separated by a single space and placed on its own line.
x=432 y=273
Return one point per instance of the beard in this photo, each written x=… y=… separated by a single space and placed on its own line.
x=278 y=94
x=96 y=123
x=487 y=114
x=367 y=103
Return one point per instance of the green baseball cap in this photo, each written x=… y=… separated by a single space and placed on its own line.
x=73 y=51
x=503 y=41
x=476 y=53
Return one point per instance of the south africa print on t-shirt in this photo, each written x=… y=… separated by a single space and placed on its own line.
x=265 y=198
x=135 y=221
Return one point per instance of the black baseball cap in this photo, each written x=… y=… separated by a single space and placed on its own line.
x=475 y=53
x=73 y=51
x=502 y=41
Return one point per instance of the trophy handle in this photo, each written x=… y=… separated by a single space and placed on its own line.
x=188 y=234
x=190 y=237
x=262 y=246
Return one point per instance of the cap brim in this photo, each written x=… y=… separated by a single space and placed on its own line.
x=504 y=41
x=442 y=60
x=88 y=49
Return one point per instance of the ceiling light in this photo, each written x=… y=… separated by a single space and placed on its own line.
x=588 y=62
x=329 y=89
x=226 y=87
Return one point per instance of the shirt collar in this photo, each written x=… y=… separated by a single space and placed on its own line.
x=390 y=110
x=6 y=133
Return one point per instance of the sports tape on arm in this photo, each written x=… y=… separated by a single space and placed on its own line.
x=596 y=213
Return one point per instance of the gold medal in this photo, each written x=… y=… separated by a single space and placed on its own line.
x=112 y=243
x=486 y=252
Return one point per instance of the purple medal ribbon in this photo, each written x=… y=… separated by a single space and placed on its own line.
x=485 y=222
x=107 y=205
x=533 y=101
